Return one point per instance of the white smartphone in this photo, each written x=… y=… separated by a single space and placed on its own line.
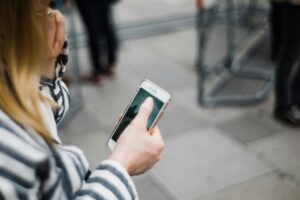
x=161 y=99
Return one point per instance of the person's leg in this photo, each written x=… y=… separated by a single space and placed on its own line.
x=275 y=29
x=285 y=70
x=296 y=85
x=287 y=58
x=112 y=39
x=89 y=10
x=112 y=42
x=295 y=11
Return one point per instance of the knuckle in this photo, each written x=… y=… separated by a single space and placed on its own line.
x=158 y=152
x=158 y=158
x=60 y=18
x=160 y=145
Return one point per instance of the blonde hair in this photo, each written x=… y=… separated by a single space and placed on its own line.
x=23 y=51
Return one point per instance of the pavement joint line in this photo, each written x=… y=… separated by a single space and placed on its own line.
x=275 y=132
x=274 y=167
x=174 y=134
x=234 y=185
x=165 y=20
x=139 y=33
x=263 y=124
x=235 y=140
x=162 y=187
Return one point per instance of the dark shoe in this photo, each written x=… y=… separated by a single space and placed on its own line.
x=297 y=103
x=289 y=116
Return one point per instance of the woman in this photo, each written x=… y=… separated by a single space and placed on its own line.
x=34 y=164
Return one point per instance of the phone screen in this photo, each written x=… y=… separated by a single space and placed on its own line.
x=133 y=110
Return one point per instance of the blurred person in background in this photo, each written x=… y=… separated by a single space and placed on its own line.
x=285 y=37
x=97 y=16
x=34 y=163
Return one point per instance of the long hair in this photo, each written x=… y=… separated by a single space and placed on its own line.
x=23 y=53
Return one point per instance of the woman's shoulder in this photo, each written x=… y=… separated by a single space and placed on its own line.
x=14 y=138
x=17 y=141
x=23 y=158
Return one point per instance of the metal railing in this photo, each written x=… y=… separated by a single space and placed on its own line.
x=236 y=84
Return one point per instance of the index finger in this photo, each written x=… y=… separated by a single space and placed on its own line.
x=51 y=28
x=60 y=31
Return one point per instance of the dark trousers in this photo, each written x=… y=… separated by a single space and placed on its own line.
x=97 y=16
x=285 y=36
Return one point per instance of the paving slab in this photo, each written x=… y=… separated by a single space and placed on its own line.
x=109 y=101
x=265 y=117
x=181 y=48
x=84 y=121
x=137 y=11
x=282 y=150
x=148 y=189
x=263 y=114
x=170 y=80
x=245 y=129
x=266 y=187
x=144 y=61
x=94 y=144
x=187 y=97
x=177 y=120
x=202 y=161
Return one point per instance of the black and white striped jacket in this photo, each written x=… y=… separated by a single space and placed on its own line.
x=30 y=169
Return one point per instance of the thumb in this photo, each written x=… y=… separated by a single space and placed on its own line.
x=144 y=112
x=51 y=29
x=60 y=31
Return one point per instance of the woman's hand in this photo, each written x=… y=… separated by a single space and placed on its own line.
x=137 y=149
x=56 y=38
x=56 y=33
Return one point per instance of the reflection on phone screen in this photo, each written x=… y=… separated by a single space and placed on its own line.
x=133 y=110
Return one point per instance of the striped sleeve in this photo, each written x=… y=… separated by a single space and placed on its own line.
x=28 y=173
x=30 y=169
x=109 y=181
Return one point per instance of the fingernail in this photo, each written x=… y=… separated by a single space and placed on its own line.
x=149 y=100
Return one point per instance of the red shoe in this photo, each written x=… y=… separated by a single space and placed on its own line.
x=95 y=79
x=111 y=71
